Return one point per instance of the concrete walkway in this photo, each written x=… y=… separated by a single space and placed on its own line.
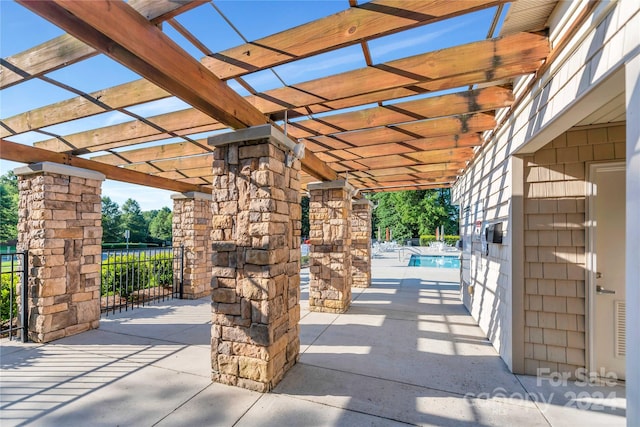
x=406 y=353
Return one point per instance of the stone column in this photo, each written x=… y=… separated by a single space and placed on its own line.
x=60 y=224
x=191 y=228
x=330 y=253
x=361 y=243
x=256 y=260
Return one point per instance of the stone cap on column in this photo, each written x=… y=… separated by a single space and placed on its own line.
x=59 y=169
x=327 y=185
x=256 y=133
x=196 y=195
x=362 y=201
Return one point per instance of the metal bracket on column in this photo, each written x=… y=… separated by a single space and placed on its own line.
x=296 y=153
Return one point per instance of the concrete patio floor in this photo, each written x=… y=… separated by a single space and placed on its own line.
x=406 y=353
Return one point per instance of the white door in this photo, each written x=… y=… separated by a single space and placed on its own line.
x=607 y=212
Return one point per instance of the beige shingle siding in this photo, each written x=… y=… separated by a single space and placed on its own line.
x=555 y=199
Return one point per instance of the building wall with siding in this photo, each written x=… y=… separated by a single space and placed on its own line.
x=548 y=106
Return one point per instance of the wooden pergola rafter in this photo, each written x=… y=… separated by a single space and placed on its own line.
x=420 y=143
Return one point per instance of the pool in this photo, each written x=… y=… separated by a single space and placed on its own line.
x=437 y=261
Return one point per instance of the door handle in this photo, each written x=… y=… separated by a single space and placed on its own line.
x=600 y=290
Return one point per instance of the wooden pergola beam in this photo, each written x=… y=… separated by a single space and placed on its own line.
x=26 y=154
x=66 y=49
x=115 y=28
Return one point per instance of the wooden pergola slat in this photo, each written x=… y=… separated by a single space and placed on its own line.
x=263 y=101
x=156 y=13
x=456 y=125
x=130 y=131
x=116 y=29
x=479 y=100
x=145 y=49
x=370 y=20
x=475 y=101
x=160 y=152
x=422 y=143
x=121 y=96
x=66 y=49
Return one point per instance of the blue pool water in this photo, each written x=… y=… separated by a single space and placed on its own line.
x=437 y=261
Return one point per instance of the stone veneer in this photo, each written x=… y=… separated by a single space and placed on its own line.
x=256 y=259
x=330 y=252
x=555 y=271
x=192 y=229
x=60 y=224
x=361 y=243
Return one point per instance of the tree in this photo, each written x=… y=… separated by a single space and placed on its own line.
x=413 y=213
x=133 y=220
x=111 y=221
x=160 y=226
x=8 y=207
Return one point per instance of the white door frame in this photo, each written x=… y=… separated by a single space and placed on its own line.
x=590 y=279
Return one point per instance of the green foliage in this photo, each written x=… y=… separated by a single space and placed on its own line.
x=125 y=274
x=111 y=221
x=450 y=240
x=161 y=269
x=133 y=220
x=8 y=285
x=8 y=207
x=160 y=225
x=152 y=226
x=409 y=214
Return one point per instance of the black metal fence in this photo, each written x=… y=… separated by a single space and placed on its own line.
x=13 y=272
x=131 y=278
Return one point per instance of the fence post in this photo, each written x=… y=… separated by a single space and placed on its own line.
x=181 y=271
x=24 y=298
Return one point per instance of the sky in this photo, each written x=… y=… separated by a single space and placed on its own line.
x=20 y=29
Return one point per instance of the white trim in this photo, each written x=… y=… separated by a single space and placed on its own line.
x=362 y=202
x=590 y=277
x=327 y=185
x=60 y=169
x=254 y=133
x=192 y=195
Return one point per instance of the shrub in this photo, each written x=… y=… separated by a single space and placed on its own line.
x=8 y=285
x=426 y=239
x=161 y=269
x=125 y=274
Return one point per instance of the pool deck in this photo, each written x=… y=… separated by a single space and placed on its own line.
x=406 y=353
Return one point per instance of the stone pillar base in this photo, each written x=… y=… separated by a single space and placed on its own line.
x=60 y=224
x=256 y=259
x=330 y=252
x=361 y=243
x=192 y=229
